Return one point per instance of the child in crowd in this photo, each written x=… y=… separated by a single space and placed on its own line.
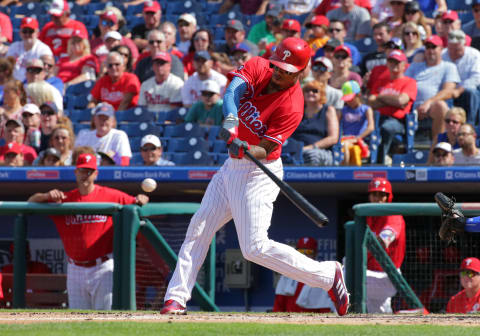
x=356 y=122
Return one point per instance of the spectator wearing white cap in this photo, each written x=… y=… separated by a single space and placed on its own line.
x=156 y=43
x=31 y=120
x=208 y=111
x=203 y=63
x=322 y=69
x=152 y=16
x=28 y=48
x=56 y=33
x=151 y=151
x=187 y=25
x=442 y=154
x=105 y=137
x=162 y=92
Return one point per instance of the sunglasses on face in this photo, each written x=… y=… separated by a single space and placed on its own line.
x=312 y=90
x=468 y=273
x=334 y=30
x=183 y=24
x=407 y=33
x=440 y=154
x=47 y=65
x=463 y=134
x=27 y=31
x=430 y=46
x=111 y=65
x=11 y=156
x=207 y=94
x=148 y=149
x=47 y=112
x=86 y=171
x=410 y=12
x=107 y=23
x=200 y=39
x=320 y=68
x=396 y=3
x=451 y=121
x=328 y=49
x=59 y=137
x=159 y=63
x=152 y=42
x=341 y=56
x=35 y=71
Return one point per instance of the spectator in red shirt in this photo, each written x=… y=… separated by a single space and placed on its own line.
x=451 y=22
x=80 y=65
x=342 y=62
x=14 y=133
x=202 y=40
x=393 y=98
x=117 y=87
x=6 y=29
x=57 y=32
x=12 y=155
x=468 y=299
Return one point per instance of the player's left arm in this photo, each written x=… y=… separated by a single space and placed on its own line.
x=263 y=149
x=141 y=199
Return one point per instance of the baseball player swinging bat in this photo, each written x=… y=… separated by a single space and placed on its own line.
x=300 y=202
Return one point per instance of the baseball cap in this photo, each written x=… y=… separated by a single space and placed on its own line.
x=412 y=6
x=443 y=146
x=164 y=56
x=273 y=10
x=188 y=18
x=16 y=122
x=397 y=55
x=235 y=24
x=456 y=36
x=435 y=40
x=52 y=151
x=318 y=20
x=210 y=86
x=29 y=22
x=108 y=155
x=333 y=43
x=394 y=43
x=113 y=34
x=79 y=33
x=471 y=264
x=30 y=108
x=50 y=105
x=104 y=109
x=35 y=63
x=291 y=24
x=151 y=6
x=307 y=243
x=450 y=15
x=110 y=16
x=350 y=89
x=202 y=54
x=343 y=48
x=13 y=147
x=150 y=139
x=86 y=160
x=241 y=47
x=325 y=61
x=58 y=7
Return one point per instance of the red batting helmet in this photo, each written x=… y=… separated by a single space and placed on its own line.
x=307 y=243
x=292 y=55
x=381 y=184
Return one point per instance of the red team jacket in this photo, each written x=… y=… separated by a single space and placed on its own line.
x=461 y=304
x=396 y=250
x=88 y=237
x=274 y=116
x=285 y=303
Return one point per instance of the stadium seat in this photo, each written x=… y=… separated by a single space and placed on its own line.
x=459 y=5
x=219 y=146
x=135 y=143
x=415 y=157
x=176 y=115
x=212 y=133
x=221 y=158
x=292 y=151
x=133 y=21
x=212 y=7
x=77 y=127
x=82 y=88
x=180 y=7
x=190 y=144
x=77 y=116
x=77 y=102
x=140 y=129
x=195 y=158
x=29 y=9
x=135 y=114
x=134 y=10
x=365 y=45
x=136 y=159
x=184 y=130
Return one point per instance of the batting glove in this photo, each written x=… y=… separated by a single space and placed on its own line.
x=229 y=130
x=237 y=148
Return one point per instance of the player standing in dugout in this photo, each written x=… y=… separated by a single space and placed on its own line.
x=263 y=105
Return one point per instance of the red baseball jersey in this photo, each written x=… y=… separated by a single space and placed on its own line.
x=107 y=91
x=88 y=237
x=396 y=250
x=273 y=116
x=398 y=86
x=68 y=70
x=462 y=304
x=57 y=37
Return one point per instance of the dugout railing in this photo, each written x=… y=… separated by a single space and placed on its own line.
x=128 y=221
x=359 y=238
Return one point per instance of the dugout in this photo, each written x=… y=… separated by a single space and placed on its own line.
x=430 y=266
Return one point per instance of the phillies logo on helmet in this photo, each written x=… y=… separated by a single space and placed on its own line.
x=468 y=262
x=286 y=54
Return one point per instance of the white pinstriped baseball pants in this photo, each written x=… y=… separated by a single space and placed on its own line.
x=240 y=190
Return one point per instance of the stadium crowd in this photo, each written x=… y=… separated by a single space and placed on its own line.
x=141 y=82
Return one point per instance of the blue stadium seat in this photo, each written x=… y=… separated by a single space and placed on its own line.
x=134 y=10
x=140 y=129
x=465 y=17
x=77 y=116
x=176 y=115
x=188 y=145
x=365 y=45
x=16 y=22
x=77 y=127
x=221 y=158
x=135 y=143
x=459 y=5
x=133 y=21
x=135 y=114
x=183 y=130
x=136 y=159
x=415 y=157
x=77 y=102
x=16 y=35
x=219 y=146
x=196 y=158
x=82 y=88
x=213 y=133
x=29 y=9
x=292 y=151
x=77 y=10
x=211 y=7
x=180 y=7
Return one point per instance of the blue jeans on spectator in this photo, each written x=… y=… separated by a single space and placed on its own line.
x=469 y=100
x=389 y=127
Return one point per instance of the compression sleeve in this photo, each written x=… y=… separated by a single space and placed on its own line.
x=233 y=93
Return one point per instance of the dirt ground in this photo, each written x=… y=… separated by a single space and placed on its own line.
x=9 y=317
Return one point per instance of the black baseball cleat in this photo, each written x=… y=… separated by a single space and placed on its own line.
x=338 y=293
x=172 y=307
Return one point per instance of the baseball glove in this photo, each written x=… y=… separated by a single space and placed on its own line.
x=453 y=221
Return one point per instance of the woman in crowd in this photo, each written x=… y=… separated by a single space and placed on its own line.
x=412 y=43
x=39 y=93
x=13 y=100
x=6 y=73
x=127 y=56
x=80 y=65
x=413 y=13
x=202 y=40
x=319 y=128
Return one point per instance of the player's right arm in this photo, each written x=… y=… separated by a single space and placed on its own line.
x=54 y=196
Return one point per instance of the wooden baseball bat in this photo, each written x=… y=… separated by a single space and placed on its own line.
x=294 y=196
